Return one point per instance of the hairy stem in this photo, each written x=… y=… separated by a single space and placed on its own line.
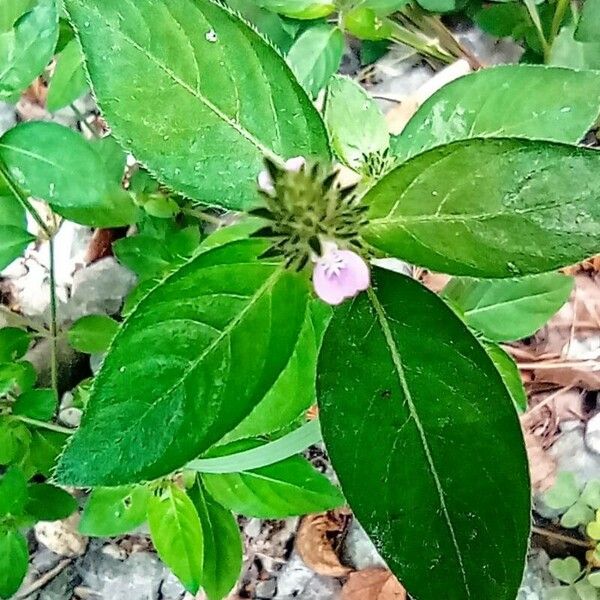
x=44 y=425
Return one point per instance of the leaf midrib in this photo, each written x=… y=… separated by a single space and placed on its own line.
x=195 y=93
x=396 y=359
x=479 y=309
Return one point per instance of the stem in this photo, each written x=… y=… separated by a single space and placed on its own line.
x=44 y=425
x=81 y=117
x=53 y=324
x=559 y=15
x=194 y=212
x=560 y=537
x=22 y=198
x=535 y=18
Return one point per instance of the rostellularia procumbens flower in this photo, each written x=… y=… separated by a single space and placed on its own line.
x=312 y=219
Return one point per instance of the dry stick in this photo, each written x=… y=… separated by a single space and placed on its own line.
x=549 y=399
x=563 y=538
x=44 y=579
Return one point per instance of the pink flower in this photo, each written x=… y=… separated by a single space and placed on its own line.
x=339 y=275
x=265 y=181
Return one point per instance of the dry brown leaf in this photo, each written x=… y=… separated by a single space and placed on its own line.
x=318 y=539
x=541 y=465
x=373 y=584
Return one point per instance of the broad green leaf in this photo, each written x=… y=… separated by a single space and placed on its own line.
x=585 y=590
x=177 y=535
x=14 y=560
x=92 y=334
x=564 y=493
x=14 y=441
x=13 y=493
x=28 y=34
x=357 y=127
x=15 y=376
x=13 y=241
x=566 y=570
x=414 y=417
x=383 y=7
x=47 y=502
x=113 y=157
x=505 y=310
x=440 y=6
x=489 y=208
x=222 y=546
x=271 y=25
x=291 y=487
x=588 y=28
x=44 y=448
x=216 y=335
x=299 y=9
x=503 y=20
x=196 y=94
x=11 y=211
x=68 y=81
x=14 y=343
x=316 y=55
x=510 y=375
x=294 y=391
x=526 y=101
x=366 y=24
x=114 y=511
x=58 y=165
x=39 y=403
x=568 y=52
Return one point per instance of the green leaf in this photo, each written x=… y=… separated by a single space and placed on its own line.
x=566 y=570
x=591 y=494
x=14 y=560
x=438 y=6
x=11 y=211
x=576 y=515
x=114 y=511
x=222 y=546
x=287 y=488
x=587 y=28
x=28 y=35
x=384 y=7
x=69 y=80
x=294 y=391
x=92 y=334
x=216 y=335
x=14 y=440
x=13 y=492
x=113 y=157
x=299 y=9
x=489 y=208
x=13 y=241
x=57 y=164
x=568 y=52
x=14 y=343
x=224 y=96
x=564 y=493
x=47 y=502
x=357 y=127
x=594 y=579
x=585 y=590
x=510 y=375
x=16 y=376
x=366 y=24
x=526 y=101
x=509 y=309
x=37 y=404
x=503 y=20
x=177 y=535
x=316 y=55
x=44 y=449
x=408 y=398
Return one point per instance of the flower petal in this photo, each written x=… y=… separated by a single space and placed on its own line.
x=265 y=183
x=327 y=288
x=295 y=164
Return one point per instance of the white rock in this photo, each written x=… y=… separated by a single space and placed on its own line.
x=572 y=454
x=71 y=417
x=61 y=536
x=537 y=580
x=592 y=434
x=358 y=550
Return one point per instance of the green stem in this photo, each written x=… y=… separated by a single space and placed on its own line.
x=559 y=15
x=44 y=425
x=535 y=18
x=194 y=212
x=53 y=323
x=22 y=199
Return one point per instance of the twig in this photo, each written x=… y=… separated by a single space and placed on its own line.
x=53 y=323
x=549 y=399
x=40 y=582
x=44 y=425
x=81 y=117
x=560 y=537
